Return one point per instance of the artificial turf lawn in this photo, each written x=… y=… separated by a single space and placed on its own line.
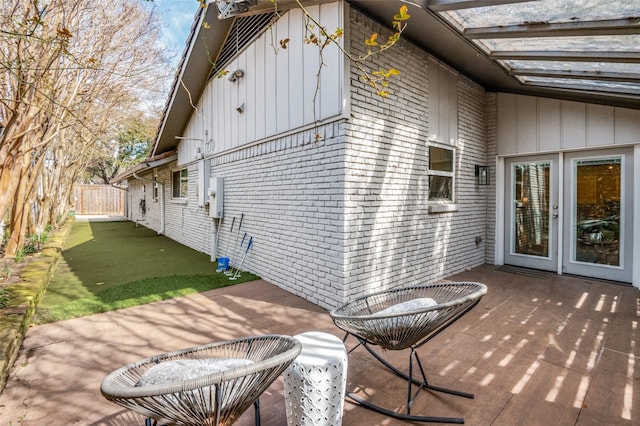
x=113 y=265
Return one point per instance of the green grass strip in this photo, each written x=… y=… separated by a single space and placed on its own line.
x=135 y=293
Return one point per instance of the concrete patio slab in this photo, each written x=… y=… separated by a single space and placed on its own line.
x=535 y=351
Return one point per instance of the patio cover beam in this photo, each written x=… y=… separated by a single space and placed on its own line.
x=567 y=56
x=630 y=25
x=445 y=5
x=625 y=92
x=581 y=75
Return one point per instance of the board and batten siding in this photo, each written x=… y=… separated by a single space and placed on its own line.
x=529 y=124
x=276 y=93
x=443 y=103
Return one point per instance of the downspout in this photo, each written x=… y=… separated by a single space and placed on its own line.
x=161 y=230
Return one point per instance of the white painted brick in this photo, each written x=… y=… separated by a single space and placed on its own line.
x=349 y=215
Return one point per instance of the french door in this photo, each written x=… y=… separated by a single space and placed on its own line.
x=571 y=213
x=532 y=211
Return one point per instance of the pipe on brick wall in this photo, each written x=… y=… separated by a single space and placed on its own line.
x=161 y=230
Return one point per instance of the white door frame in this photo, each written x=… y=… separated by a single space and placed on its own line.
x=636 y=217
x=499 y=246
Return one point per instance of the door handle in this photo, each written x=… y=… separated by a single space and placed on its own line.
x=555 y=215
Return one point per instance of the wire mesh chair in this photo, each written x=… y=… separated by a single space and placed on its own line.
x=212 y=399
x=407 y=318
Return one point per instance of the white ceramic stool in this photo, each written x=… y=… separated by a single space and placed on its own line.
x=315 y=382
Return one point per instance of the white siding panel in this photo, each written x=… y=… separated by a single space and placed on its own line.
x=433 y=100
x=278 y=86
x=234 y=89
x=220 y=124
x=627 y=126
x=241 y=101
x=562 y=125
x=548 y=124
x=573 y=125
x=444 y=106
x=331 y=16
x=251 y=90
x=526 y=131
x=226 y=107
x=452 y=96
x=296 y=71
x=507 y=140
x=600 y=129
x=282 y=76
x=260 y=90
x=311 y=57
x=271 y=99
x=207 y=123
x=443 y=103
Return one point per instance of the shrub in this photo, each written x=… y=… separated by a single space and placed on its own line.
x=4 y=297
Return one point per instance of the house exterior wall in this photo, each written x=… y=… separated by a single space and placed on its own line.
x=340 y=208
x=185 y=221
x=529 y=124
x=290 y=191
x=392 y=239
x=276 y=93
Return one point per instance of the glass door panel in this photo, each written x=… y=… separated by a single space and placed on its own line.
x=597 y=211
x=531 y=213
x=530 y=210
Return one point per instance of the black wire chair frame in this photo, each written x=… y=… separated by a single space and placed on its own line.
x=214 y=399
x=372 y=320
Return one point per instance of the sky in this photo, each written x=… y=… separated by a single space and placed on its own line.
x=177 y=17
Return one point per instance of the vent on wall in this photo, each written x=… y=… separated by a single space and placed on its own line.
x=244 y=30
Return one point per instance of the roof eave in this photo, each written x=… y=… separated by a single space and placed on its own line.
x=191 y=77
x=147 y=164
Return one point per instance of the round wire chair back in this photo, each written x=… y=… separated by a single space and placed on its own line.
x=394 y=320
x=214 y=399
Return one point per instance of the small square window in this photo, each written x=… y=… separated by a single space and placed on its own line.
x=180 y=183
x=441 y=173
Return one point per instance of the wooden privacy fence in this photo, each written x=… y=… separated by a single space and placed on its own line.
x=99 y=199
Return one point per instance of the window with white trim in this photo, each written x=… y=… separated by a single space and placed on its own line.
x=441 y=173
x=179 y=183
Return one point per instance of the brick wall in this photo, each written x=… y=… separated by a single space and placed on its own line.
x=290 y=192
x=391 y=239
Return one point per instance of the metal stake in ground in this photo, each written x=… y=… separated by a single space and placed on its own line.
x=237 y=274
x=233 y=255
x=230 y=271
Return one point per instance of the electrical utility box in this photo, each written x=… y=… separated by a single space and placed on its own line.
x=202 y=188
x=216 y=197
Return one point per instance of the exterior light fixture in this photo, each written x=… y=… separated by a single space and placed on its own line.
x=482 y=175
x=234 y=76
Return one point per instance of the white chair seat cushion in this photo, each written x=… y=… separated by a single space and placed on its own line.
x=185 y=369
x=408 y=306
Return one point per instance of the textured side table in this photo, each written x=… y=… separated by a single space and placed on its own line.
x=314 y=383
